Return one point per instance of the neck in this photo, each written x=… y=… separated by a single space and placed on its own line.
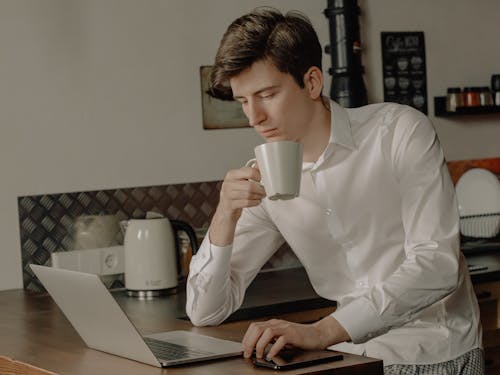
x=318 y=135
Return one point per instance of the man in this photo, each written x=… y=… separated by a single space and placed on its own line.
x=375 y=225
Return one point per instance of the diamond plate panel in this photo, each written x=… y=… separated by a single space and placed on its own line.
x=46 y=222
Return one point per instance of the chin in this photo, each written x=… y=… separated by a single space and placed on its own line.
x=275 y=138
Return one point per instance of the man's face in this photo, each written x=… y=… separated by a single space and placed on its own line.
x=275 y=105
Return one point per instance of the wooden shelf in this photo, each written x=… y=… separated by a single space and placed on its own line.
x=440 y=109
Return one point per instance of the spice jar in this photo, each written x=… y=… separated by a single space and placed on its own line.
x=485 y=98
x=495 y=88
x=471 y=97
x=185 y=253
x=454 y=99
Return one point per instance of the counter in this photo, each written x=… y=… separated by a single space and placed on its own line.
x=35 y=331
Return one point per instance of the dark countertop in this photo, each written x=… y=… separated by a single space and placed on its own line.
x=271 y=293
x=279 y=292
x=484 y=264
x=289 y=290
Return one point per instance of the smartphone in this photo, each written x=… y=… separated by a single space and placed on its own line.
x=295 y=358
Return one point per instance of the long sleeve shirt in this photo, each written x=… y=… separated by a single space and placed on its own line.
x=376 y=228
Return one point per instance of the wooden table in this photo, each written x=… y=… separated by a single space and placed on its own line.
x=33 y=330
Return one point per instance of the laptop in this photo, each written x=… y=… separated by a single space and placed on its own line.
x=102 y=324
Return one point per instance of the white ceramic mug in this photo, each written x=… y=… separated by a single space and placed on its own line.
x=280 y=165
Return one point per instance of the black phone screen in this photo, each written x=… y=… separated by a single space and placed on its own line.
x=295 y=358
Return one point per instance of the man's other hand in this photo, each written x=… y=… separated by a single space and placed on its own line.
x=281 y=334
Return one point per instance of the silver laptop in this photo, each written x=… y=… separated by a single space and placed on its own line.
x=103 y=325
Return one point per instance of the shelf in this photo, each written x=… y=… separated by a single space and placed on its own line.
x=440 y=109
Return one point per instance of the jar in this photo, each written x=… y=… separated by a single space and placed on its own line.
x=185 y=254
x=471 y=97
x=495 y=88
x=454 y=99
x=485 y=96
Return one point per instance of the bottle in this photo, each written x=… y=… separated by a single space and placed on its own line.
x=495 y=88
x=454 y=99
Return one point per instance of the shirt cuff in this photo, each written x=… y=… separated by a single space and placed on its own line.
x=210 y=257
x=360 y=320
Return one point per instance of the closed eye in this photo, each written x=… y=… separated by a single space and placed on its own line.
x=267 y=96
x=241 y=100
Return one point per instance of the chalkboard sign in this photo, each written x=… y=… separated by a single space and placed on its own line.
x=403 y=62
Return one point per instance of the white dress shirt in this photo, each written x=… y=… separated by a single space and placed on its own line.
x=376 y=228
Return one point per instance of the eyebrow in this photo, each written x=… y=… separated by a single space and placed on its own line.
x=257 y=92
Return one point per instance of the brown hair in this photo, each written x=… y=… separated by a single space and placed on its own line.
x=289 y=41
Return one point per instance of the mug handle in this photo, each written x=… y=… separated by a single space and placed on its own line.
x=251 y=163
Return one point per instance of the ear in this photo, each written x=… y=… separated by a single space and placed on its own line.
x=313 y=81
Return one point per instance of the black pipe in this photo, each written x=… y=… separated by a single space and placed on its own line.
x=348 y=87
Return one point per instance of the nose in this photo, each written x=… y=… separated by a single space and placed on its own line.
x=254 y=113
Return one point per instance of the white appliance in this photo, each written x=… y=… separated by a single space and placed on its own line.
x=151 y=248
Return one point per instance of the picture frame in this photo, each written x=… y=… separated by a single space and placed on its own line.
x=217 y=113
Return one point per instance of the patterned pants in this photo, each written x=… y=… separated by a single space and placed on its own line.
x=470 y=363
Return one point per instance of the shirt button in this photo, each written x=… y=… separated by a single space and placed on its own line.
x=361 y=284
x=328 y=211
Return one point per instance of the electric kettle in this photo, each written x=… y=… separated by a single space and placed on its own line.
x=151 y=246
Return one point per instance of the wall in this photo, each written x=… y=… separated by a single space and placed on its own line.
x=461 y=38
x=103 y=94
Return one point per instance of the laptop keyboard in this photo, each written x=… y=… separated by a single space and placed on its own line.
x=169 y=351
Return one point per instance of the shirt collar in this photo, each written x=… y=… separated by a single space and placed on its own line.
x=340 y=130
x=340 y=134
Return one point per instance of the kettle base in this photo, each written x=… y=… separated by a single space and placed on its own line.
x=149 y=294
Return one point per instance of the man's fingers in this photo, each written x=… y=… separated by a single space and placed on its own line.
x=244 y=173
x=259 y=335
x=254 y=173
x=280 y=344
x=276 y=335
x=266 y=338
x=244 y=194
x=250 y=339
x=243 y=189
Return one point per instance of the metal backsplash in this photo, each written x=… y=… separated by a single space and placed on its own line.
x=47 y=222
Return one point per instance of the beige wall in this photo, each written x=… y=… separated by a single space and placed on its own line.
x=100 y=94
x=462 y=41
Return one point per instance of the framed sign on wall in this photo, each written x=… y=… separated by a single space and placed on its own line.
x=404 y=69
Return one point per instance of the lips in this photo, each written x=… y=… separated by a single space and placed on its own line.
x=268 y=133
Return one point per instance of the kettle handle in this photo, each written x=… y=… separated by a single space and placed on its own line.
x=179 y=225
